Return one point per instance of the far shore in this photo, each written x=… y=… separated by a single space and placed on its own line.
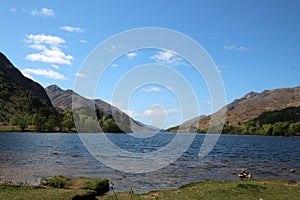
x=9 y=129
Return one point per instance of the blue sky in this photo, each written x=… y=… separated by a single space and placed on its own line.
x=255 y=45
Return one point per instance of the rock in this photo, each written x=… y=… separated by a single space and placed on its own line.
x=292 y=170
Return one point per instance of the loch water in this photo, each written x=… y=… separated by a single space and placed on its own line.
x=27 y=157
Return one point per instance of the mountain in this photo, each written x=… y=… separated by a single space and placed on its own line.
x=64 y=100
x=19 y=94
x=249 y=107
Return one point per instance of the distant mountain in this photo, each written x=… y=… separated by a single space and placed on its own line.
x=249 y=107
x=64 y=100
x=19 y=94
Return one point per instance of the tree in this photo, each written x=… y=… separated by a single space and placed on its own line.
x=69 y=124
x=19 y=120
x=46 y=119
x=267 y=129
x=67 y=120
x=280 y=128
x=294 y=128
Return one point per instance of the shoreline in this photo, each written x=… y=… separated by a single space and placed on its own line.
x=209 y=189
x=75 y=132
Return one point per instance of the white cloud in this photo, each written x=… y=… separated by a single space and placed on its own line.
x=83 y=41
x=234 y=47
x=131 y=113
x=208 y=102
x=55 y=66
x=44 y=39
x=13 y=10
x=131 y=55
x=48 y=48
x=112 y=47
x=155 y=112
x=72 y=29
x=167 y=57
x=152 y=89
x=27 y=75
x=114 y=65
x=80 y=75
x=51 y=56
x=42 y=72
x=43 y=12
x=222 y=68
x=117 y=104
x=170 y=88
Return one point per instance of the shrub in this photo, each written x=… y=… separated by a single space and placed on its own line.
x=100 y=186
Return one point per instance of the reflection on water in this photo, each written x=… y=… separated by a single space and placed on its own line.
x=27 y=157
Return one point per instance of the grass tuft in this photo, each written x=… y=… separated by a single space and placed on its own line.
x=56 y=182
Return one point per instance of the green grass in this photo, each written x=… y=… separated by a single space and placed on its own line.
x=56 y=188
x=85 y=188
x=56 y=182
x=18 y=193
x=248 y=189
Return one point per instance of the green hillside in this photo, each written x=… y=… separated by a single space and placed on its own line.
x=18 y=94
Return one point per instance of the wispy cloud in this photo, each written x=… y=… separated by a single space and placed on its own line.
x=234 y=47
x=114 y=65
x=72 y=29
x=152 y=89
x=43 y=12
x=80 y=75
x=208 y=102
x=48 y=48
x=43 y=72
x=170 y=88
x=168 y=57
x=160 y=112
x=222 y=68
x=55 y=66
x=83 y=41
x=131 y=113
x=13 y=10
x=153 y=113
x=131 y=55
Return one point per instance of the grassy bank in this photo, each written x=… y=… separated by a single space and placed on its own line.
x=248 y=189
x=56 y=188
x=82 y=188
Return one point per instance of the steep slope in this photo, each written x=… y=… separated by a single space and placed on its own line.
x=63 y=99
x=251 y=106
x=18 y=94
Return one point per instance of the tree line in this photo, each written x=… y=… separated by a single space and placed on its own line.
x=44 y=120
x=48 y=120
x=285 y=122
x=284 y=128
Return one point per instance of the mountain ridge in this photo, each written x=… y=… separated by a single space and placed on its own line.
x=64 y=100
x=19 y=94
x=248 y=107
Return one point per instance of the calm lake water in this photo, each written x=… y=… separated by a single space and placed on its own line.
x=27 y=157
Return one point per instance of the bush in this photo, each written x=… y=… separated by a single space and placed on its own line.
x=100 y=186
x=56 y=181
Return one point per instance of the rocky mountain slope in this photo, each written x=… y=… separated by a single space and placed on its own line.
x=18 y=94
x=249 y=107
x=67 y=100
